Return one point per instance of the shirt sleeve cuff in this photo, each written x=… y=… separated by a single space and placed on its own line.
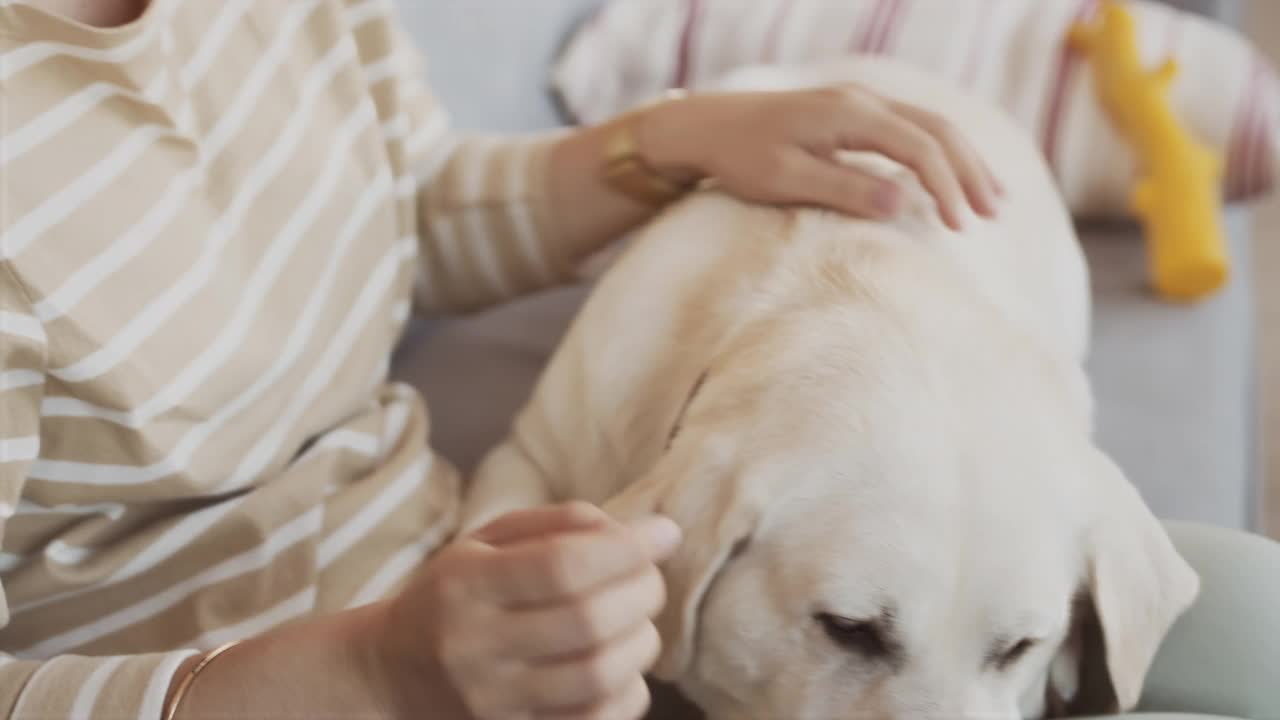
x=127 y=686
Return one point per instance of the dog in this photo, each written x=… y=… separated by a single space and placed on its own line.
x=877 y=437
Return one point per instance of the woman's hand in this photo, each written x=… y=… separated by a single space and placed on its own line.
x=541 y=614
x=778 y=147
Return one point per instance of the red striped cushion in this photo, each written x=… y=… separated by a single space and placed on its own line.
x=1011 y=51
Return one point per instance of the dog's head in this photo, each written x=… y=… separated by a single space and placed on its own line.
x=868 y=537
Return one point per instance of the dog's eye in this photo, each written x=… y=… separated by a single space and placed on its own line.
x=861 y=636
x=1016 y=652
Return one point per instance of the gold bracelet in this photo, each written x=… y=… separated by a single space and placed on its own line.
x=627 y=171
x=171 y=710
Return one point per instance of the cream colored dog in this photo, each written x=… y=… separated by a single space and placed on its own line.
x=876 y=436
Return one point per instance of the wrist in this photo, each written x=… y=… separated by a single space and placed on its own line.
x=405 y=669
x=666 y=138
x=183 y=672
x=330 y=666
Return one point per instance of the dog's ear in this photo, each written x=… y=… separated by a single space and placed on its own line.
x=698 y=484
x=1137 y=586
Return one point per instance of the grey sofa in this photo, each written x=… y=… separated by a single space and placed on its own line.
x=1175 y=385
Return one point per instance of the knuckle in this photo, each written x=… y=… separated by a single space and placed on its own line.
x=651 y=593
x=607 y=711
x=859 y=186
x=835 y=104
x=888 y=123
x=847 y=94
x=482 y=704
x=475 y=690
x=558 y=565
x=935 y=122
x=778 y=173
x=581 y=512
x=454 y=653
x=775 y=164
x=598 y=675
x=587 y=621
x=653 y=642
x=650 y=650
x=640 y=706
x=835 y=94
x=633 y=704
x=449 y=587
x=659 y=586
x=950 y=134
x=446 y=588
x=932 y=156
x=643 y=702
x=630 y=554
x=944 y=135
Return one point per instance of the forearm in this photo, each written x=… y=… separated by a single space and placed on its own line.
x=505 y=217
x=329 y=667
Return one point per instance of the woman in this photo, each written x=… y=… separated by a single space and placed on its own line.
x=215 y=219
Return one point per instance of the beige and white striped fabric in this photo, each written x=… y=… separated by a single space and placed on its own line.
x=214 y=223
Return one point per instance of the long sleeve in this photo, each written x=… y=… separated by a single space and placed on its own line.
x=480 y=205
x=63 y=687
x=487 y=233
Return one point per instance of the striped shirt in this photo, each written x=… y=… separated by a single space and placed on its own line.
x=215 y=221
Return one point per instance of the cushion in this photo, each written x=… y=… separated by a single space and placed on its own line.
x=489 y=62
x=1013 y=52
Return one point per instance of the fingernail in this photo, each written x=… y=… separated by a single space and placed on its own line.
x=887 y=199
x=660 y=532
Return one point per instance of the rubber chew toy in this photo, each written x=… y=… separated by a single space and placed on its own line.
x=1177 y=197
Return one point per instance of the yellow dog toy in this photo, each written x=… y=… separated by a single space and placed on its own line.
x=1178 y=196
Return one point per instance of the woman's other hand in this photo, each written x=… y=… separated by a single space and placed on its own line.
x=545 y=613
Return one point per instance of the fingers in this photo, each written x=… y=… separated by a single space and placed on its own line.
x=548 y=611
x=575 y=660
x=903 y=141
x=659 y=536
x=631 y=704
x=589 y=681
x=946 y=163
x=980 y=184
x=996 y=184
x=809 y=179
x=759 y=153
x=546 y=571
x=529 y=524
x=579 y=626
